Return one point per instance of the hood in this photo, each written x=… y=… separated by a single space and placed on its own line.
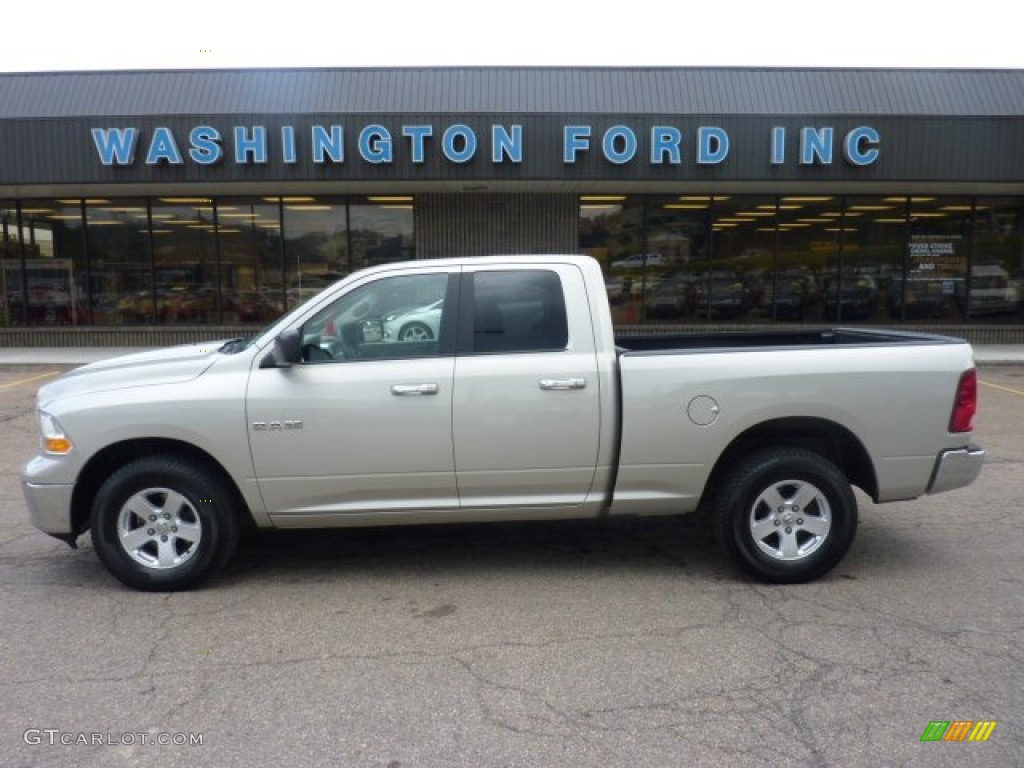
x=173 y=365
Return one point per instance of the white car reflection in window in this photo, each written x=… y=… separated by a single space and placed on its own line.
x=418 y=324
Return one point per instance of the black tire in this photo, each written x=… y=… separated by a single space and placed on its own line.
x=805 y=531
x=415 y=331
x=164 y=523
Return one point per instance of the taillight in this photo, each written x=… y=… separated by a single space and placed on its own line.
x=966 y=403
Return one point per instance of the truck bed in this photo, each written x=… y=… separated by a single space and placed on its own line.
x=886 y=396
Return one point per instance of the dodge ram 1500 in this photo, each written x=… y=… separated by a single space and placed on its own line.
x=493 y=388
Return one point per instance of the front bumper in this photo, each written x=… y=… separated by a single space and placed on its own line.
x=49 y=507
x=956 y=468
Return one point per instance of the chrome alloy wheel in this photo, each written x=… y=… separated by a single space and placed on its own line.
x=159 y=528
x=790 y=520
x=415 y=332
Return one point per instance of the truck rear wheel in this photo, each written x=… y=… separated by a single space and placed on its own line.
x=164 y=523
x=785 y=515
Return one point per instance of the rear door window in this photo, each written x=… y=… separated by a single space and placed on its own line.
x=515 y=311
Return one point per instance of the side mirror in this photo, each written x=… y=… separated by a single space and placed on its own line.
x=287 y=351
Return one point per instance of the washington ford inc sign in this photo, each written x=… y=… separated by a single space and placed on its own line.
x=458 y=144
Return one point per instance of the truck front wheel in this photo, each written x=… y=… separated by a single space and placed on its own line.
x=785 y=515
x=163 y=523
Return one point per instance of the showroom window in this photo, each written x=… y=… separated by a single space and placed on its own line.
x=381 y=229
x=938 y=248
x=120 y=265
x=678 y=233
x=611 y=230
x=12 y=298
x=251 y=260
x=879 y=259
x=316 y=245
x=873 y=236
x=805 y=283
x=997 y=270
x=185 y=260
x=55 y=290
x=744 y=232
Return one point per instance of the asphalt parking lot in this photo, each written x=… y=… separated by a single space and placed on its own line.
x=570 y=644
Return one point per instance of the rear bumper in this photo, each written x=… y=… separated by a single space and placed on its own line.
x=956 y=468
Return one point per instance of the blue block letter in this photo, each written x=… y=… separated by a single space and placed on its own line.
x=254 y=146
x=860 y=147
x=778 y=145
x=288 y=153
x=417 y=135
x=712 y=145
x=816 y=146
x=206 y=148
x=506 y=144
x=330 y=145
x=577 y=139
x=375 y=144
x=665 y=140
x=619 y=135
x=116 y=146
x=163 y=148
x=448 y=141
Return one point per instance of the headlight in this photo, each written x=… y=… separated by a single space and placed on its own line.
x=55 y=441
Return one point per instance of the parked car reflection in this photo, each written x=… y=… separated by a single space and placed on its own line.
x=417 y=324
x=729 y=298
x=790 y=296
x=991 y=292
x=926 y=298
x=639 y=261
x=856 y=301
x=249 y=307
x=672 y=296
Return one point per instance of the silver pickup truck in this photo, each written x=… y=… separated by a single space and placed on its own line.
x=493 y=389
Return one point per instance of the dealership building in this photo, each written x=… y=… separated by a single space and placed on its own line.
x=148 y=207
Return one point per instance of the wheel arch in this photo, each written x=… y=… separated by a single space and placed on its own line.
x=107 y=461
x=826 y=438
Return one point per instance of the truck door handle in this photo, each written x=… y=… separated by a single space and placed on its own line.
x=563 y=383
x=413 y=390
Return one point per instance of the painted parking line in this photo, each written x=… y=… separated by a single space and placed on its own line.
x=1001 y=388
x=29 y=380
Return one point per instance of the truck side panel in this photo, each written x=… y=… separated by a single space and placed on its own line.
x=681 y=412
